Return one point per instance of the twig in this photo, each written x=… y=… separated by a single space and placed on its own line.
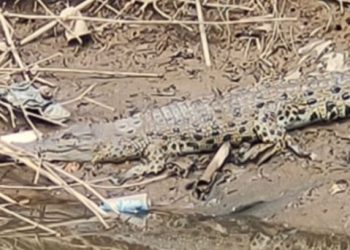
x=204 y=40
x=29 y=221
x=330 y=20
x=53 y=23
x=12 y=114
x=84 y=184
x=5 y=26
x=7 y=198
x=92 y=183
x=16 y=153
x=18 y=216
x=38 y=32
x=69 y=30
x=81 y=96
x=218 y=5
x=26 y=116
x=341 y=6
x=257 y=19
x=80 y=71
x=12 y=232
x=88 y=99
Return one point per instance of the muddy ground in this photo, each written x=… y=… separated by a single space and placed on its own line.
x=294 y=192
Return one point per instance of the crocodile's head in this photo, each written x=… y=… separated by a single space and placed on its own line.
x=119 y=150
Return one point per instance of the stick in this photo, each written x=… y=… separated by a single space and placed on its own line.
x=16 y=154
x=5 y=27
x=81 y=71
x=29 y=221
x=53 y=23
x=202 y=34
x=257 y=19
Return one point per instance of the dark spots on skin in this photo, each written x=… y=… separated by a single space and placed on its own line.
x=198 y=130
x=257 y=127
x=335 y=89
x=215 y=133
x=183 y=137
x=176 y=130
x=333 y=115
x=131 y=131
x=247 y=138
x=210 y=141
x=292 y=119
x=347 y=110
x=264 y=134
x=281 y=118
x=311 y=101
x=164 y=137
x=330 y=106
x=173 y=146
x=165 y=147
x=279 y=112
x=231 y=124
x=302 y=111
x=150 y=134
x=313 y=117
x=284 y=96
x=260 y=105
x=227 y=137
x=198 y=137
x=272 y=132
x=242 y=130
x=287 y=113
x=122 y=126
x=308 y=93
x=279 y=133
x=237 y=112
x=294 y=112
x=345 y=96
x=244 y=122
x=192 y=145
x=137 y=122
x=181 y=145
x=215 y=145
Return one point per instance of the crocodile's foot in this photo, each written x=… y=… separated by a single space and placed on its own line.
x=137 y=172
x=155 y=161
x=264 y=151
x=274 y=141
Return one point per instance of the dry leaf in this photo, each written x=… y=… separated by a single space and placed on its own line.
x=339 y=186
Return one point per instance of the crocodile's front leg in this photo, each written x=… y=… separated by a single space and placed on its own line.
x=154 y=160
x=274 y=140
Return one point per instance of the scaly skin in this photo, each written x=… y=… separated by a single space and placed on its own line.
x=251 y=115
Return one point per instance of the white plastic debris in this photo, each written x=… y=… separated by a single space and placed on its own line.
x=133 y=204
x=20 y=137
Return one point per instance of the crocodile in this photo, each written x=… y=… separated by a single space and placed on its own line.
x=260 y=116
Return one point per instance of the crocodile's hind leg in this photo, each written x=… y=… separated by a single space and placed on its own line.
x=274 y=140
x=154 y=160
